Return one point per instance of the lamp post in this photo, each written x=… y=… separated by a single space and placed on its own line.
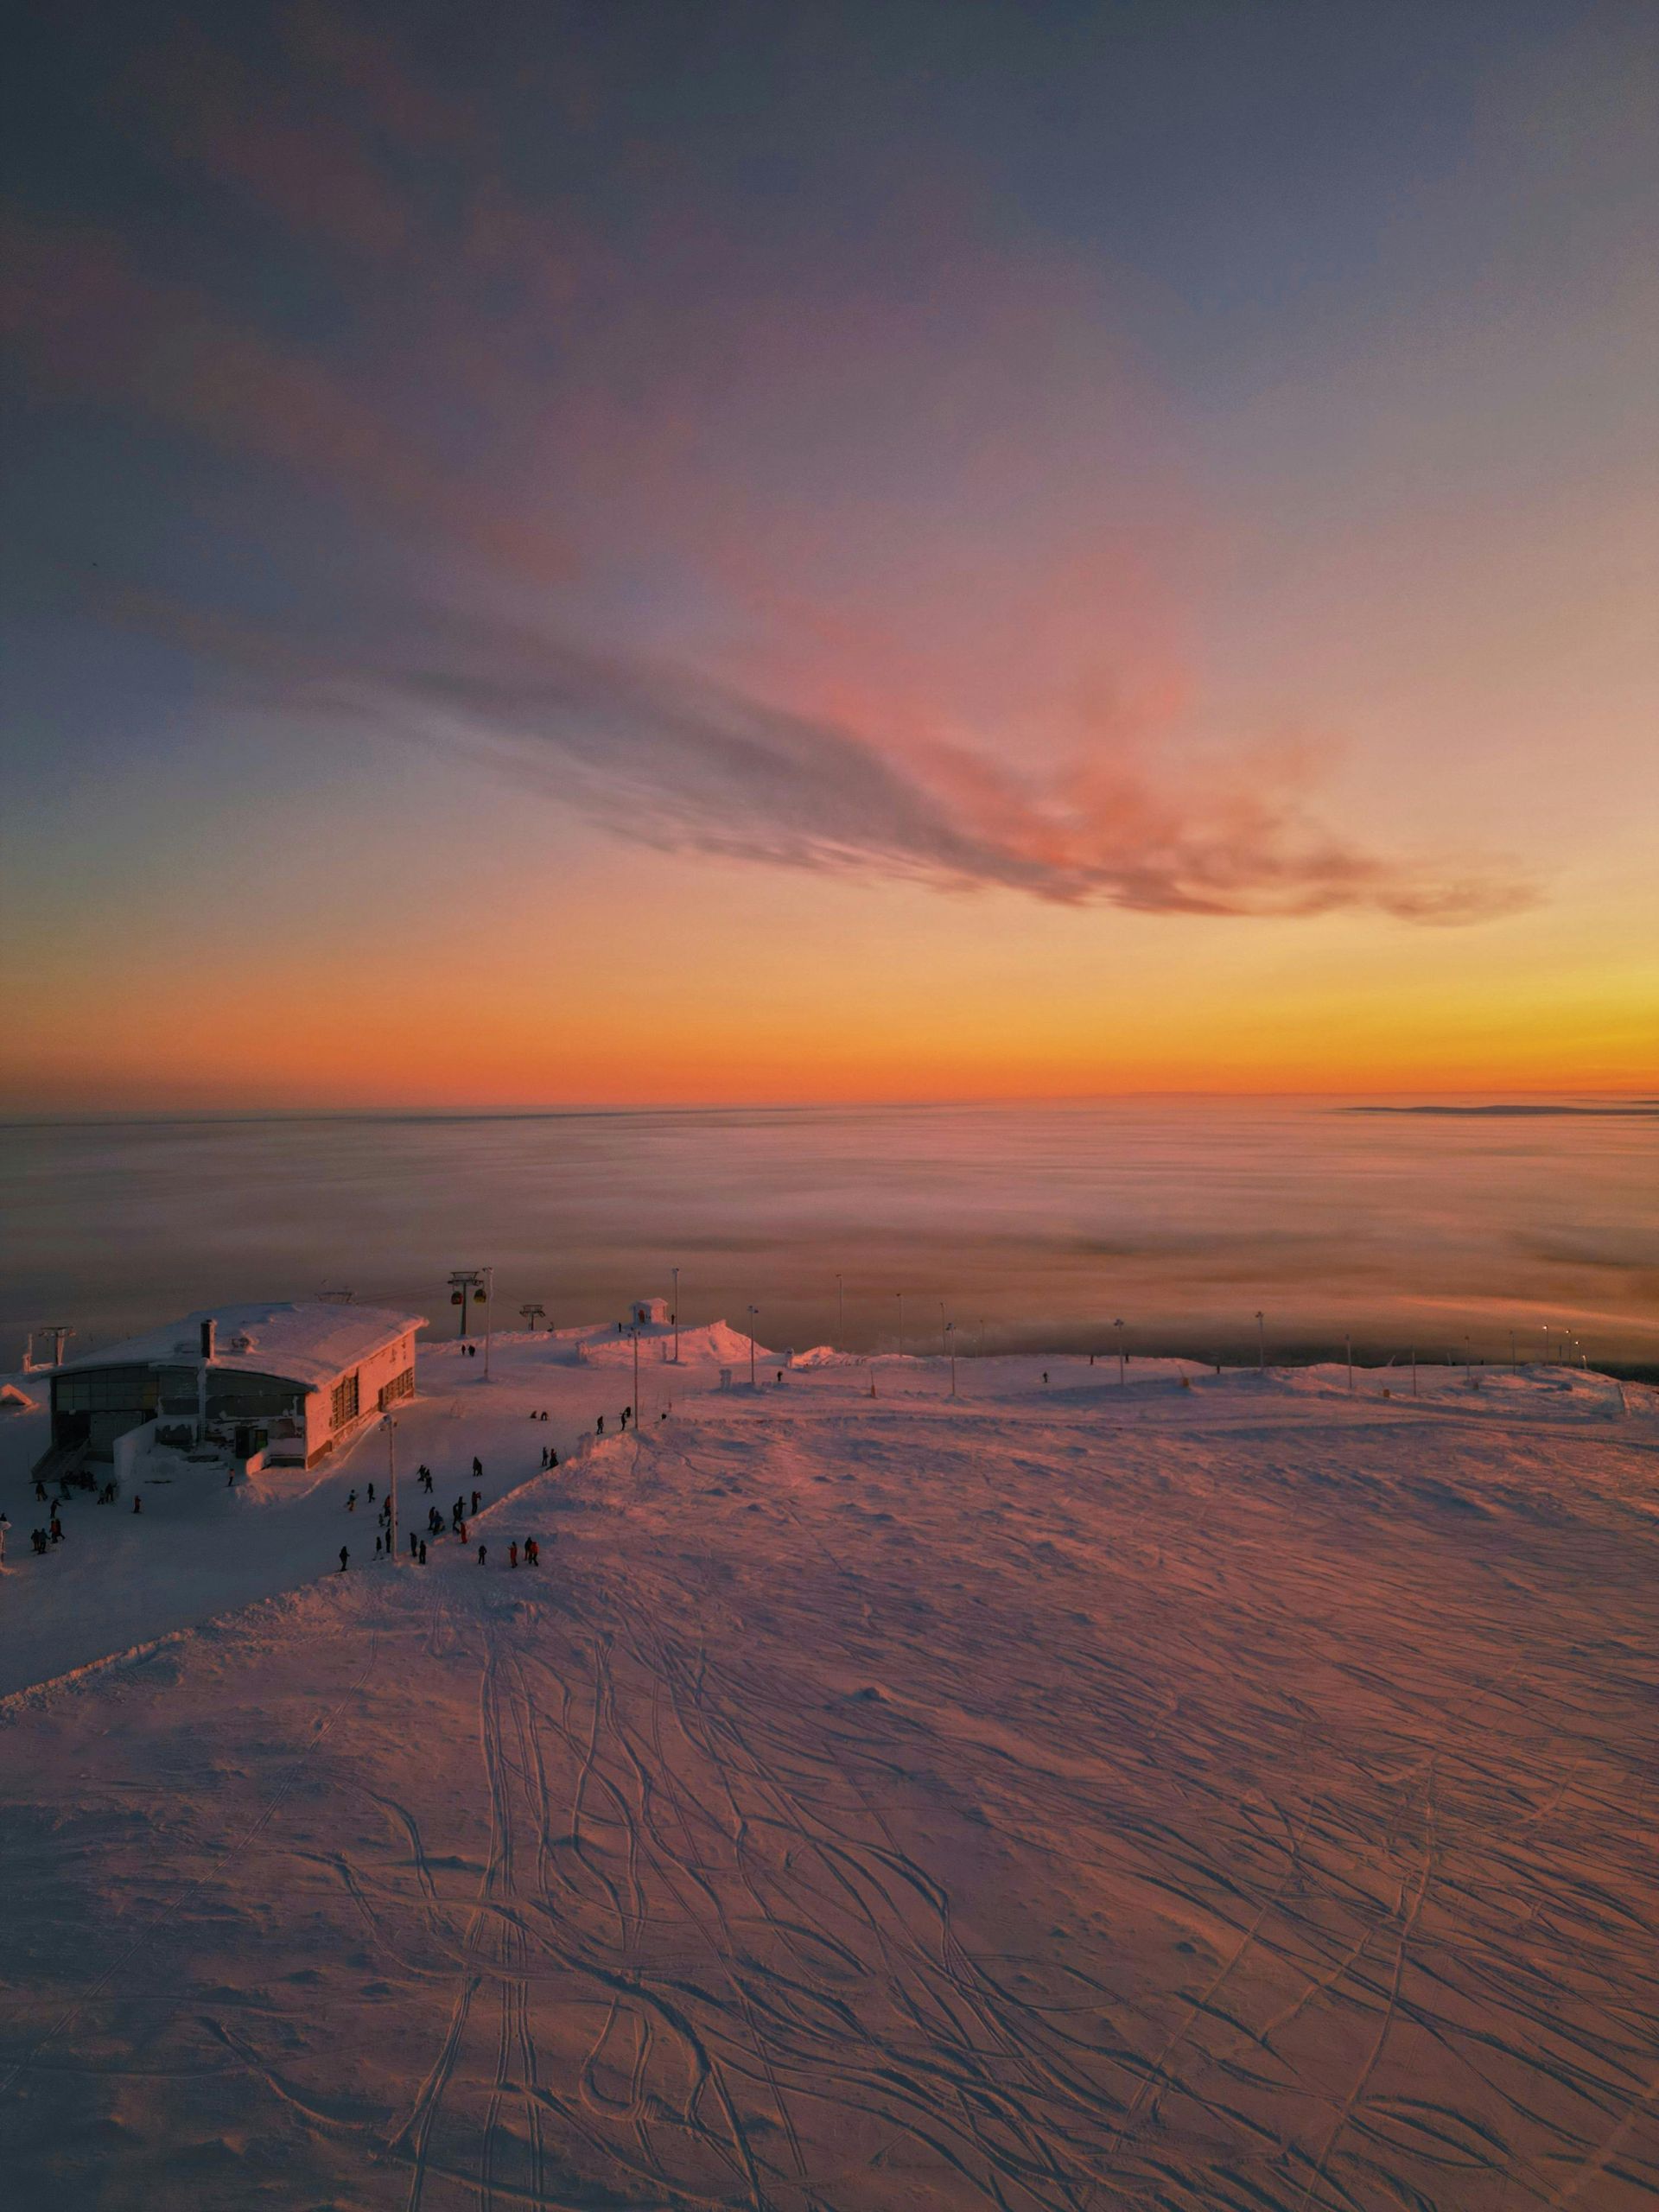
x=951 y=1347
x=634 y=1333
x=676 y=1274
x=754 y=1315
x=944 y=1325
x=489 y=1307
x=1260 y=1343
x=1117 y=1328
x=392 y=1482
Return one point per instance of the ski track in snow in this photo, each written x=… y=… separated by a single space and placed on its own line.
x=1238 y=1800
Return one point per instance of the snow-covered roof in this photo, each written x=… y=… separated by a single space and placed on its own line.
x=311 y=1342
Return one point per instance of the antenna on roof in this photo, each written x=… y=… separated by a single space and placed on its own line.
x=338 y=1297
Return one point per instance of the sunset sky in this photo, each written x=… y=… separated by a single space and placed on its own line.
x=702 y=552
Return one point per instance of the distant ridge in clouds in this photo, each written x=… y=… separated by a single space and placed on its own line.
x=1642 y=1108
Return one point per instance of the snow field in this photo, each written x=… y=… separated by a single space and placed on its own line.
x=1232 y=1796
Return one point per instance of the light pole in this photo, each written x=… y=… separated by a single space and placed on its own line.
x=391 y=1481
x=944 y=1325
x=675 y=1315
x=634 y=1333
x=754 y=1315
x=1121 y=1365
x=1260 y=1343
x=489 y=1307
x=950 y=1346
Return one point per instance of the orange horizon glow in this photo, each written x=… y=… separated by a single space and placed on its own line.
x=939 y=626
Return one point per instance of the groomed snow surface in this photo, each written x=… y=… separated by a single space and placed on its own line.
x=1239 y=1795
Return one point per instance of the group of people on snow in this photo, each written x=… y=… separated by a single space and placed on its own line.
x=435 y=1521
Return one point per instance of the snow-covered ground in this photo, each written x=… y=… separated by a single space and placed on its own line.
x=1238 y=1793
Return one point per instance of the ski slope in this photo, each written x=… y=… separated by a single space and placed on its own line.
x=1238 y=1794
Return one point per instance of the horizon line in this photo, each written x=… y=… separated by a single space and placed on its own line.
x=1594 y=1099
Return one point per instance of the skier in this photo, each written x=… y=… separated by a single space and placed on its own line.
x=481 y=1550
x=477 y=1468
x=344 y=1557
x=461 y=1531
x=137 y=1504
x=57 y=1529
x=626 y=1410
x=422 y=1554
x=376 y=1548
x=532 y=1552
x=477 y=1494
x=599 y=1429
x=351 y=1501
x=552 y=1459
x=371 y=1493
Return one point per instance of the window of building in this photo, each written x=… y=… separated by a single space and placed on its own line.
x=401 y=1386
x=345 y=1400
x=104 y=1389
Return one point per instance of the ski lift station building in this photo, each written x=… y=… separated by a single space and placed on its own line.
x=291 y=1381
x=648 y=1313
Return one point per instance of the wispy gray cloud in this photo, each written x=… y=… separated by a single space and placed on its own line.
x=666 y=757
x=671 y=759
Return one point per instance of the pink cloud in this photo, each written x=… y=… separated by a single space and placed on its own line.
x=83 y=321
